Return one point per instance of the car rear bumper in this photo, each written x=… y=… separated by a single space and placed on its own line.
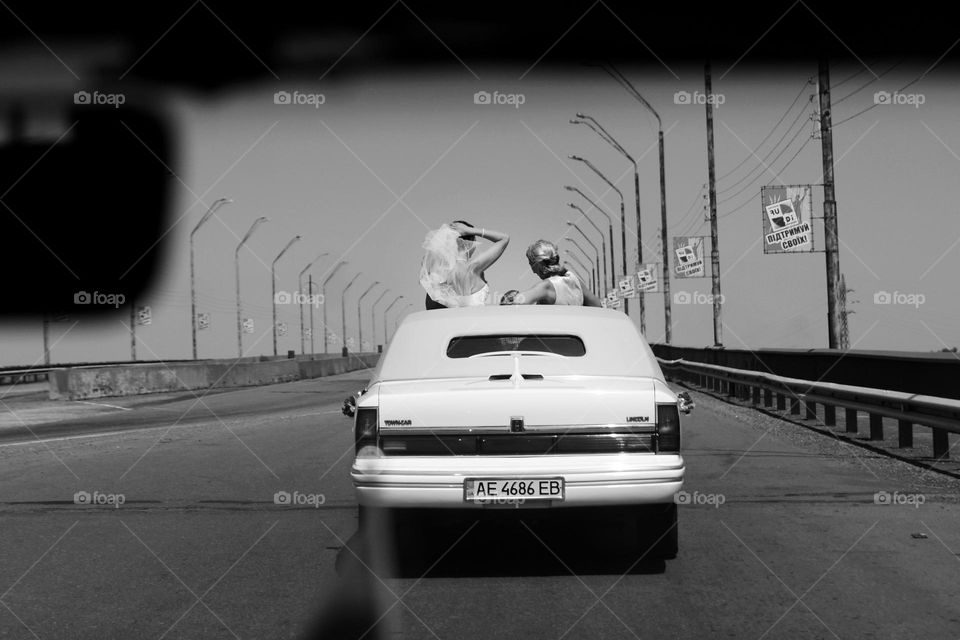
x=589 y=480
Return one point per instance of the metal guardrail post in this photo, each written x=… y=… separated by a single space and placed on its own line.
x=851 y=421
x=941 y=444
x=767 y=398
x=829 y=415
x=781 y=402
x=905 y=434
x=876 y=426
x=794 y=406
x=756 y=395
x=811 y=410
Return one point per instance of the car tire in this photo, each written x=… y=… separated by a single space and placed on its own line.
x=658 y=531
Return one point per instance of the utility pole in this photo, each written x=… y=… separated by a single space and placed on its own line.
x=831 y=238
x=714 y=248
x=310 y=292
x=845 y=314
x=46 y=339
x=133 y=331
x=664 y=250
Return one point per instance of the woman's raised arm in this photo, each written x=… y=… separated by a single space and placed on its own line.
x=483 y=259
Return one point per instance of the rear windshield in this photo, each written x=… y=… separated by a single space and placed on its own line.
x=466 y=346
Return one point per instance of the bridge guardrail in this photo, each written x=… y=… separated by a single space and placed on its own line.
x=941 y=415
x=23 y=376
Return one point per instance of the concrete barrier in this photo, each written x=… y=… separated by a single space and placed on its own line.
x=136 y=379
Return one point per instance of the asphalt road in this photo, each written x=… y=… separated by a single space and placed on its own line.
x=781 y=536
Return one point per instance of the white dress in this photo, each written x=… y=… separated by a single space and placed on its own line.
x=445 y=273
x=568 y=289
x=476 y=299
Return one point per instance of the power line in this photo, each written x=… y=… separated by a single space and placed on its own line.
x=763 y=160
x=777 y=176
x=686 y=216
x=876 y=104
x=849 y=78
x=760 y=175
x=695 y=222
x=863 y=86
x=808 y=82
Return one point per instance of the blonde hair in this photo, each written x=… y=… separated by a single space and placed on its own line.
x=544 y=259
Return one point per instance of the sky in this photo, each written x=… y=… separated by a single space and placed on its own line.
x=388 y=156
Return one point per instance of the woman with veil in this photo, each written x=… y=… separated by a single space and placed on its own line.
x=452 y=271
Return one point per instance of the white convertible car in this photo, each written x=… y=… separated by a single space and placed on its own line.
x=520 y=407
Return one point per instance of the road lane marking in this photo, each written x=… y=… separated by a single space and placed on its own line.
x=104 y=404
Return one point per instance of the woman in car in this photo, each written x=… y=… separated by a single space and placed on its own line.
x=452 y=271
x=558 y=285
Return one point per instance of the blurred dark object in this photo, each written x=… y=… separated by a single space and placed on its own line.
x=214 y=44
x=81 y=214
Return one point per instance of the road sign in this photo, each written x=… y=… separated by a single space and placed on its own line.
x=647 y=281
x=282 y=328
x=144 y=316
x=787 y=211
x=627 y=288
x=248 y=325
x=688 y=257
x=203 y=320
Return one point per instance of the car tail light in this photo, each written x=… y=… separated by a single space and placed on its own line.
x=365 y=431
x=668 y=428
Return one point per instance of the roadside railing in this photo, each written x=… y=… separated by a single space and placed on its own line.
x=23 y=376
x=941 y=415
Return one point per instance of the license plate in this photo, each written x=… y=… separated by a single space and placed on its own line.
x=509 y=491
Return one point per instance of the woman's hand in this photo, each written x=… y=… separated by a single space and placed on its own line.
x=463 y=229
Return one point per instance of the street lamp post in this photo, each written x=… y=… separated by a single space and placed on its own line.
x=343 y=315
x=236 y=268
x=619 y=77
x=590 y=242
x=596 y=283
x=586 y=270
x=310 y=285
x=385 y=312
x=193 y=289
x=603 y=243
x=359 y=319
x=609 y=139
x=273 y=289
x=303 y=341
x=613 y=264
x=623 y=223
x=323 y=293
x=373 y=316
